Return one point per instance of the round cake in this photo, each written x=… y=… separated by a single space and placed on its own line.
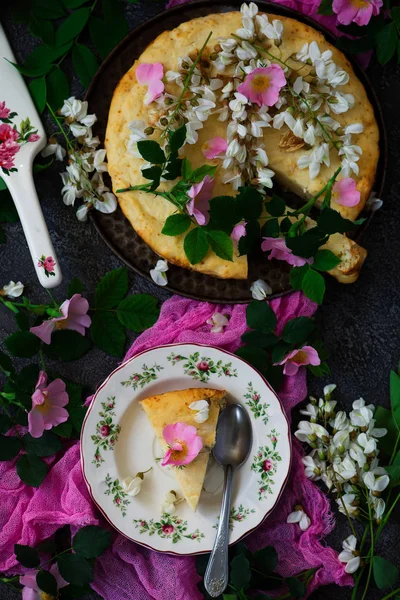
x=322 y=120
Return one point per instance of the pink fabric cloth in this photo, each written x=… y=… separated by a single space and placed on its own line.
x=129 y=572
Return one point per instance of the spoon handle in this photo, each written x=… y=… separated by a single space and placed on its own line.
x=216 y=577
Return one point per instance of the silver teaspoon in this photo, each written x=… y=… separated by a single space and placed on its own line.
x=232 y=447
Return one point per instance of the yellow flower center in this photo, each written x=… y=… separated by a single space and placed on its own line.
x=260 y=83
x=44 y=408
x=62 y=324
x=359 y=3
x=45 y=596
x=178 y=455
x=300 y=357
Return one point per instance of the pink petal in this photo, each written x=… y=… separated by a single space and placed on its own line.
x=167 y=458
x=76 y=325
x=30 y=594
x=147 y=72
x=214 y=147
x=37 y=398
x=312 y=354
x=169 y=434
x=64 y=308
x=57 y=394
x=42 y=380
x=35 y=423
x=290 y=369
x=238 y=231
x=44 y=330
x=154 y=90
x=345 y=192
x=56 y=573
x=267 y=93
x=29 y=580
x=78 y=305
x=55 y=416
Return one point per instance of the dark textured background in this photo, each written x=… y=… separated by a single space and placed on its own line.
x=360 y=323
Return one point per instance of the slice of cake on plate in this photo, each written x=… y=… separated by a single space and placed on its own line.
x=185 y=407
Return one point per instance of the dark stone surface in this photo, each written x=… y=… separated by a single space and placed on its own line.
x=360 y=323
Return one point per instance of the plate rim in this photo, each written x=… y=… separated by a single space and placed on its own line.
x=104 y=383
x=380 y=176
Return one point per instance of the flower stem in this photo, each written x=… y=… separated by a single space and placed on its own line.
x=371 y=552
x=391 y=594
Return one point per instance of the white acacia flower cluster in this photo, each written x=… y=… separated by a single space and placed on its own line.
x=83 y=178
x=246 y=159
x=345 y=453
x=314 y=97
x=12 y=289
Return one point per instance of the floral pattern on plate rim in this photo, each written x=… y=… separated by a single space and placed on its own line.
x=201 y=368
x=107 y=432
x=265 y=464
x=236 y=515
x=12 y=138
x=115 y=489
x=254 y=403
x=170 y=527
x=142 y=379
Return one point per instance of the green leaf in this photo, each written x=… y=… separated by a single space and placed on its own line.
x=307 y=244
x=67 y=345
x=325 y=260
x=260 y=316
x=75 y=287
x=74 y=407
x=240 y=572
x=6 y=364
x=319 y=371
x=47 y=583
x=229 y=597
x=394 y=471
x=42 y=29
x=251 y=240
x=173 y=169
x=298 y=330
x=177 y=138
x=75 y=569
x=27 y=378
x=85 y=63
x=2 y=185
x=195 y=245
x=22 y=320
x=395 y=15
x=199 y=174
x=31 y=469
x=254 y=355
x=279 y=351
x=313 y=285
x=276 y=206
x=395 y=397
x=384 y=419
x=5 y=423
x=223 y=213
x=72 y=592
x=150 y=150
x=27 y=556
x=115 y=21
x=107 y=333
x=98 y=33
x=111 y=288
x=49 y=9
x=47 y=445
x=64 y=430
x=154 y=174
x=330 y=221
x=249 y=202
x=186 y=169
x=176 y=224
x=297 y=276
x=8 y=212
x=72 y=26
x=385 y=573
x=73 y=3
x=57 y=88
x=325 y=8
x=297 y=588
x=387 y=40
x=221 y=244
x=270 y=228
x=91 y=541
x=36 y=71
x=22 y=344
x=138 y=312
x=266 y=560
x=47 y=546
x=9 y=447
x=43 y=54
x=259 y=339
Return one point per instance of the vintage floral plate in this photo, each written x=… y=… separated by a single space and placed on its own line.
x=118 y=441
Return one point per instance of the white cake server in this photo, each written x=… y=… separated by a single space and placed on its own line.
x=20 y=141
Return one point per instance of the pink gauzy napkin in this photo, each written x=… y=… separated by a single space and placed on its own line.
x=129 y=572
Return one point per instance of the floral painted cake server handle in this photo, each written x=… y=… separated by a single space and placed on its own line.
x=22 y=136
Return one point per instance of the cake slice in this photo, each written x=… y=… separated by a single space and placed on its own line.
x=173 y=407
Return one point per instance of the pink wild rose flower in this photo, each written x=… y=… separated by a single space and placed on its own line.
x=344 y=192
x=262 y=85
x=214 y=147
x=4 y=111
x=199 y=204
x=279 y=250
x=31 y=590
x=48 y=401
x=151 y=74
x=238 y=232
x=73 y=317
x=183 y=444
x=301 y=357
x=356 y=11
